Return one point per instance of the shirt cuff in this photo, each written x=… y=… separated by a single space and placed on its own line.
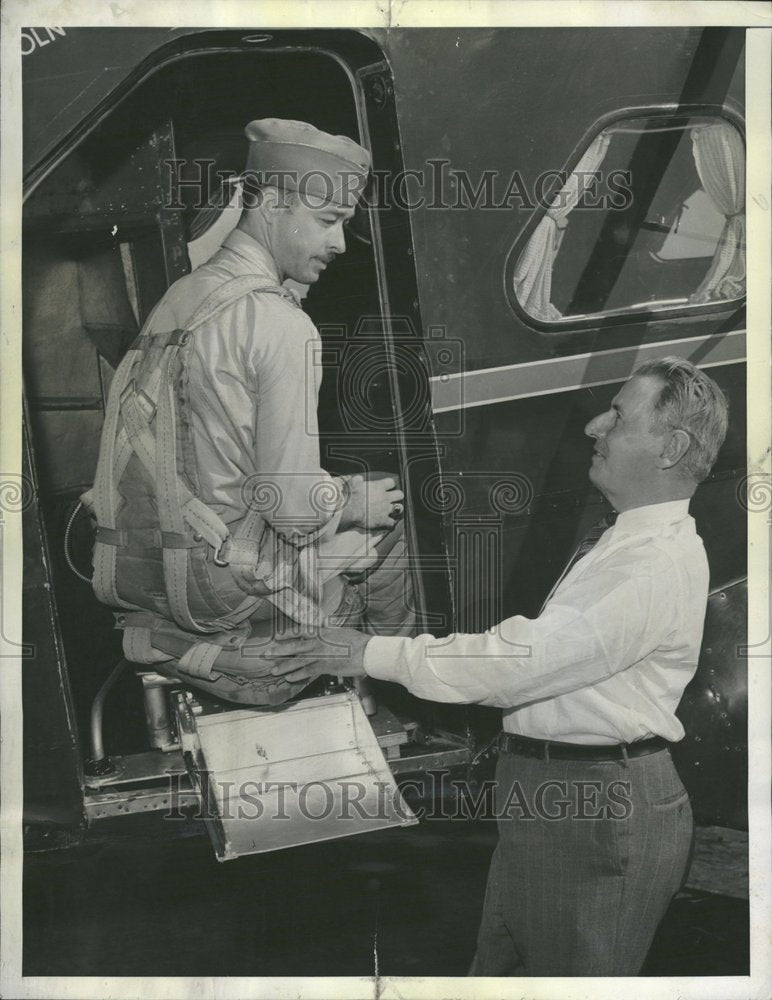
x=330 y=526
x=382 y=658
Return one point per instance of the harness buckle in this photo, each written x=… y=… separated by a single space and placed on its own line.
x=218 y=558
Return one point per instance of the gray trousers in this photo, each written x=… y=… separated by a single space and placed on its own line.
x=379 y=601
x=589 y=856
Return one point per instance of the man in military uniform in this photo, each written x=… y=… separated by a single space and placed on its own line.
x=217 y=525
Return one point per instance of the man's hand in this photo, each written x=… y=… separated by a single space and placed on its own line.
x=375 y=502
x=338 y=651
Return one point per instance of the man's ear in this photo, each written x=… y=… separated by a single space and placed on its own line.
x=269 y=198
x=676 y=445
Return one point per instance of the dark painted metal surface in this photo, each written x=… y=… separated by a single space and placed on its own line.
x=66 y=80
x=73 y=83
x=712 y=759
x=525 y=100
x=539 y=445
x=53 y=803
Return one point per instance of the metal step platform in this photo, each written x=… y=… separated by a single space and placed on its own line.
x=271 y=779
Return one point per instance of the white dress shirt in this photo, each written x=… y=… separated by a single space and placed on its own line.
x=608 y=658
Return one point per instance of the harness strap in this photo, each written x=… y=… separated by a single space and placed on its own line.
x=137 y=647
x=147 y=538
x=185 y=522
x=138 y=432
x=197 y=660
x=200 y=659
x=105 y=495
x=194 y=655
x=171 y=493
x=123 y=447
x=104 y=498
x=167 y=491
x=227 y=294
x=202 y=519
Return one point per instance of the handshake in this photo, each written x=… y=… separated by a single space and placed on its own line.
x=337 y=651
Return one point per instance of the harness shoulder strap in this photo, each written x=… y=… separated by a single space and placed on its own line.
x=104 y=498
x=228 y=294
x=179 y=511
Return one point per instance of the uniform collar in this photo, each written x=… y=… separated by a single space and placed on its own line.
x=653 y=514
x=255 y=254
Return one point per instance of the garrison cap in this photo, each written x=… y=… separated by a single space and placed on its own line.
x=299 y=157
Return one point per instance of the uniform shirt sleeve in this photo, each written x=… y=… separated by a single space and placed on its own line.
x=301 y=498
x=601 y=624
x=254 y=386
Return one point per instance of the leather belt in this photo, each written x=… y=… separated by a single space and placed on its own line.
x=525 y=746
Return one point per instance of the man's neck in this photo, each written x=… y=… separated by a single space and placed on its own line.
x=257 y=232
x=681 y=491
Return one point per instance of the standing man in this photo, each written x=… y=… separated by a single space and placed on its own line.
x=594 y=824
x=217 y=525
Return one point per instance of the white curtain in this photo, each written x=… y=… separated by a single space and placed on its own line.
x=533 y=271
x=720 y=160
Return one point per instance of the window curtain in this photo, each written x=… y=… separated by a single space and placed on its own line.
x=533 y=271
x=719 y=157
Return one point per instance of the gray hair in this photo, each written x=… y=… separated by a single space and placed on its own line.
x=689 y=401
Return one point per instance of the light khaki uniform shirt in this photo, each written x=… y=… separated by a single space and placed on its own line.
x=254 y=377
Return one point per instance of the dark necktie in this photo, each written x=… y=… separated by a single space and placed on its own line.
x=589 y=542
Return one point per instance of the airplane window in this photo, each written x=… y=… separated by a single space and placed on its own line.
x=696 y=230
x=650 y=218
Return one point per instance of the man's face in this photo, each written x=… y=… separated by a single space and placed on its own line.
x=307 y=236
x=627 y=452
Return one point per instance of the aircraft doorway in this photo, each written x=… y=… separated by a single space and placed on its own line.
x=129 y=208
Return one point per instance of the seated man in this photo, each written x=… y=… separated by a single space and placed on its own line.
x=594 y=824
x=216 y=524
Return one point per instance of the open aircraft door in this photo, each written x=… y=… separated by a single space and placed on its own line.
x=122 y=192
